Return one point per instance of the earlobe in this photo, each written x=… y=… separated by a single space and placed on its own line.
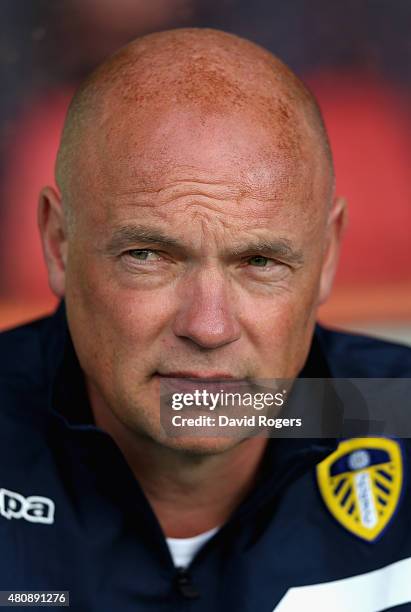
x=337 y=222
x=52 y=226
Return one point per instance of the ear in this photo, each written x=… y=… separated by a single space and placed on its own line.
x=52 y=225
x=337 y=221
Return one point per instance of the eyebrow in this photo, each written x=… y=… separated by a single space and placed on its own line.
x=131 y=234
x=279 y=247
x=128 y=235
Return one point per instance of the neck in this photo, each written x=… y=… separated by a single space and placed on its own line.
x=189 y=492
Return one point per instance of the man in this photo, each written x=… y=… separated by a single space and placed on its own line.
x=193 y=235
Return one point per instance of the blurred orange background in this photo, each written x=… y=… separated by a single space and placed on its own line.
x=367 y=114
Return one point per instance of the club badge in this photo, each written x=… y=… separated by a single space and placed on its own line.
x=361 y=484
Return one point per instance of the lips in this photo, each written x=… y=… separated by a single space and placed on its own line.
x=210 y=376
x=187 y=382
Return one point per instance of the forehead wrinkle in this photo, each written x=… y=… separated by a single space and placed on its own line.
x=218 y=190
x=187 y=198
x=144 y=184
x=186 y=209
x=259 y=207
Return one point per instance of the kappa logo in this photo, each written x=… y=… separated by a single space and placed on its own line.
x=35 y=509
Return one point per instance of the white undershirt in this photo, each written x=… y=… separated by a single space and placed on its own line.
x=183 y=550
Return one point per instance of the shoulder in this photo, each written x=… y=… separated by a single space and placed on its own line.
x=29 y=355
x=350 y=355
x=24 y=350
x=18 y=347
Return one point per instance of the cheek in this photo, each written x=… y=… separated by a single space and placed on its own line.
x=138 y=320
x=95 y=288
x=280 y=329
x=114 y=328
x=278 y=314
x=277 y=324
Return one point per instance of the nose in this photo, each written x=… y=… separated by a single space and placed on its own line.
x=207 y=312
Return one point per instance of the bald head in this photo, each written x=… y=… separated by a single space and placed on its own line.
x=207 y=72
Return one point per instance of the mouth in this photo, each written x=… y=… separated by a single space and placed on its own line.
x=187 y=381
x=203 y=376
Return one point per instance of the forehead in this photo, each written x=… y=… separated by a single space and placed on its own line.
x=179 y=157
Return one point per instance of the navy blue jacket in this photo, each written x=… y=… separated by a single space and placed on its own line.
x=99 y=539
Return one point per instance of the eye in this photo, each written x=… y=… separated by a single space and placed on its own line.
x=259 y=261
x=143 y=255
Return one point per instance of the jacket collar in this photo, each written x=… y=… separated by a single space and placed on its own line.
x=68 y=396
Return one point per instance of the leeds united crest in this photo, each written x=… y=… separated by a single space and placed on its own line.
x=361 y=484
